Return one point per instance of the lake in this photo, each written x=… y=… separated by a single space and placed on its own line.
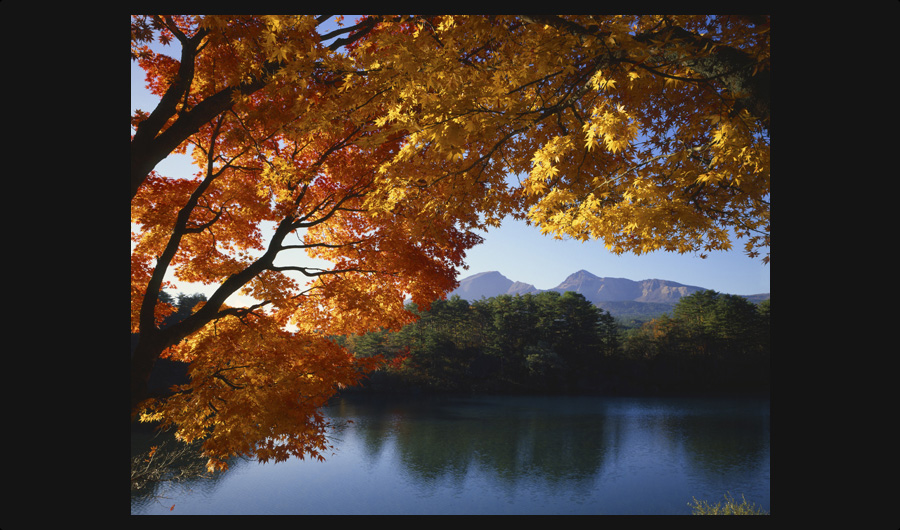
x=504 y=455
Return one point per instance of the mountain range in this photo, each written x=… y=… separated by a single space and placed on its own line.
x=622 y=297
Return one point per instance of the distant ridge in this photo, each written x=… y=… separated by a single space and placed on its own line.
x=616 y=295
x=597 y=289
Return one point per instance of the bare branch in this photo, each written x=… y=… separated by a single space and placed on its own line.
x=321 y=272
x=323 y=245
x=364 y=28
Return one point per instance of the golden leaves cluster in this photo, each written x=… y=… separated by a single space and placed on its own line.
x=522 y=93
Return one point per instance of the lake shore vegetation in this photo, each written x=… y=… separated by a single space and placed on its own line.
x=730 y=507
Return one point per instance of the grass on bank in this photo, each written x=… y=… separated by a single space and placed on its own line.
x=731 y=507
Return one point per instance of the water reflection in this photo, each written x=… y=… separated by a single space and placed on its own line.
x=523 y=455
x=553 y=437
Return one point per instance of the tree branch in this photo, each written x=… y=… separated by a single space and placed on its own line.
x=738 y=73
x=323 y=245
x=570 y=27
x=321 y=272
x=364 y=28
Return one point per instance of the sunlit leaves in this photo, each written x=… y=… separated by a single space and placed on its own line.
x=613 y=126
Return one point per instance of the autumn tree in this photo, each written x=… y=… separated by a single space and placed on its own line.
x=301 y=155
x=381 y=152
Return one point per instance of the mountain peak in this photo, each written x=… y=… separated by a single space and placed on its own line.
x=606 y=291
x=594 y=288
x=488 y=285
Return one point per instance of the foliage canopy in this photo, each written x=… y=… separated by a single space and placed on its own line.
x=380 y=148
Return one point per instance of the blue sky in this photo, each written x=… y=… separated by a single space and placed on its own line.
x=521 y=253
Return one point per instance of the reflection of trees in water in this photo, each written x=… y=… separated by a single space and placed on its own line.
x=444 y=439
x=564 y=442
x=373 y=422
x=727 y=443
x=724 y=441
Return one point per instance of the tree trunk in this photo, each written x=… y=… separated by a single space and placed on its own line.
x=142 y=361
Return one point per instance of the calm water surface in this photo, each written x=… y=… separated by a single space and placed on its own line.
x=504 y=455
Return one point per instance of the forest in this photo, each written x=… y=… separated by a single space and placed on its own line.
x=561 y=343
x=556 y=343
